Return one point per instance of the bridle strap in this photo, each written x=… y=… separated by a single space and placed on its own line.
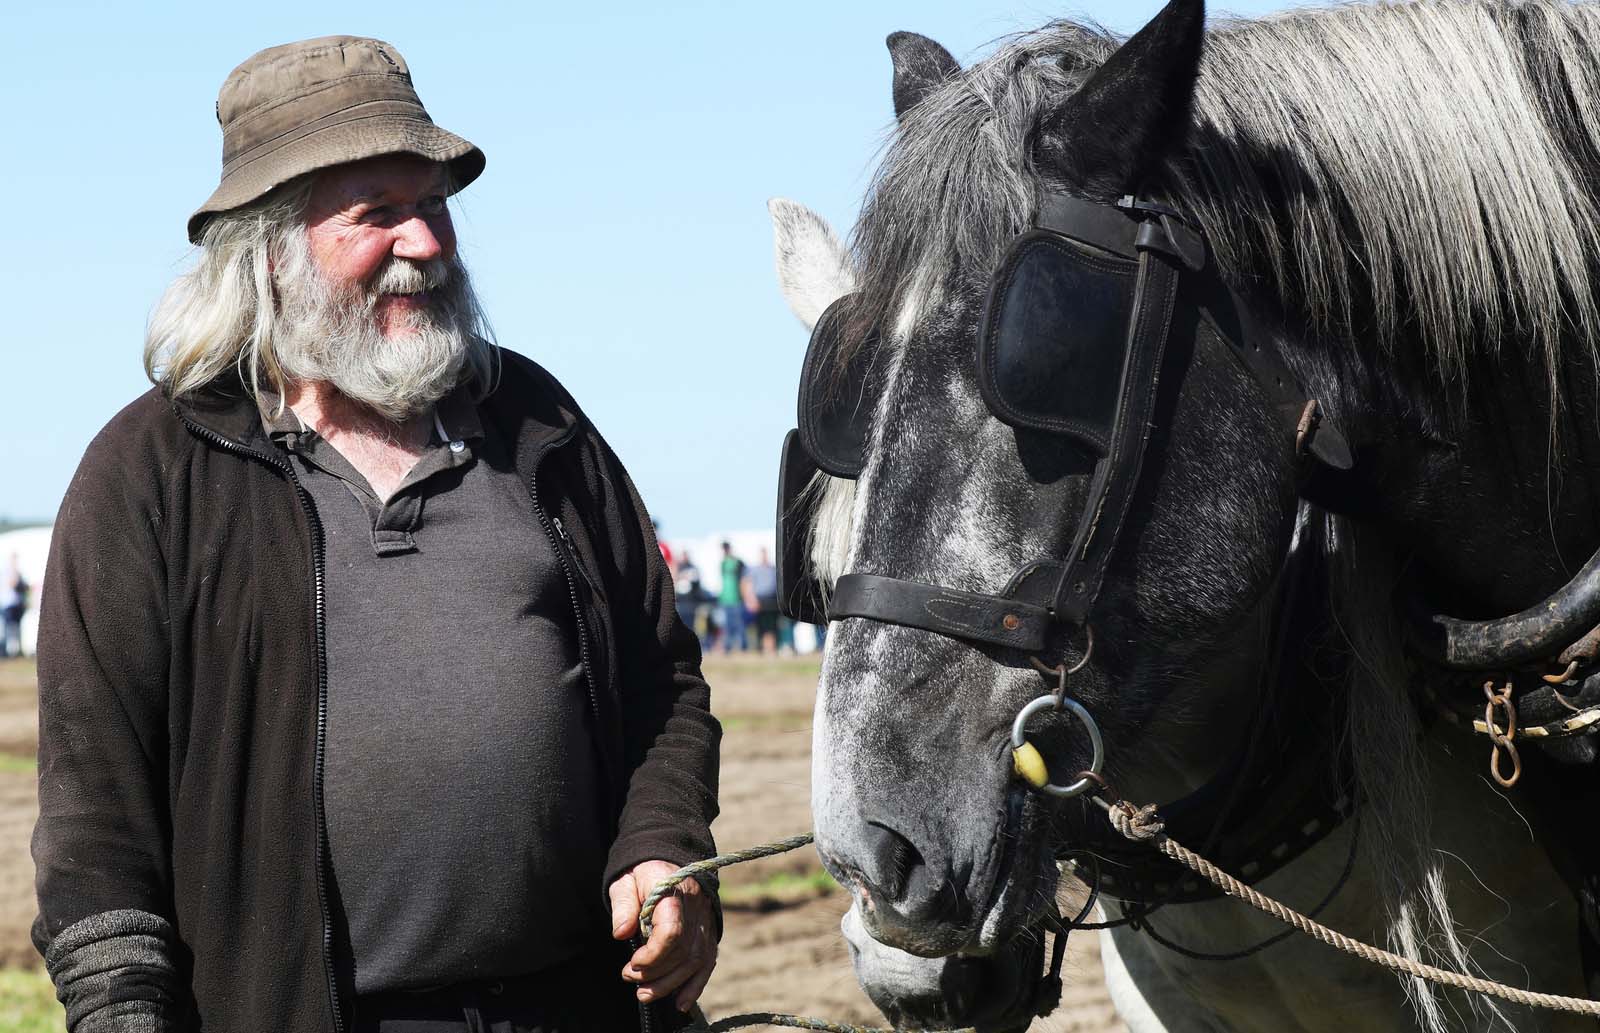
x=1117 y=473
x=948 y=611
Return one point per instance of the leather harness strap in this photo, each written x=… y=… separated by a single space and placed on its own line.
x=965 y=615
x=1117 y=474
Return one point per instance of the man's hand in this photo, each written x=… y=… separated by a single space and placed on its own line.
x=682 y=949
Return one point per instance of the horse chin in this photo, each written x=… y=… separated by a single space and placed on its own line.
x=995 y=993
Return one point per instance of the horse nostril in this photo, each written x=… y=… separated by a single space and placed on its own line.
x=894 y=858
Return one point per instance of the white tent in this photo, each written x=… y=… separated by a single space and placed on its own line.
x=30 y=546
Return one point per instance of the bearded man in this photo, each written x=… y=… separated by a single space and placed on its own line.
x=364 y=704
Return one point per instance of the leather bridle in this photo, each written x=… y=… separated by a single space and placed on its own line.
x=1059 y=594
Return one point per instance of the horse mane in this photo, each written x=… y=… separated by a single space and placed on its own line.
x=1420 y=169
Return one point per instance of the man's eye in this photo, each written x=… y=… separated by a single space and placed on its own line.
x=378 y=214
x=431 y=205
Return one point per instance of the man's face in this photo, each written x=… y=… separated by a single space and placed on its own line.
x=364 y=213
x=372 y=297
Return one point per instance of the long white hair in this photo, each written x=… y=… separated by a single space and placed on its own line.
x=224 y=313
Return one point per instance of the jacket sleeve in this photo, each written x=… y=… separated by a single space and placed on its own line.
x=670 y=738
x=99 y=848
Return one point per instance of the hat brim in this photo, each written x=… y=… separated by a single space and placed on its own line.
x=340 y=144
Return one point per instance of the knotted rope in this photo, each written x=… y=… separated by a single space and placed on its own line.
x=1143 y=825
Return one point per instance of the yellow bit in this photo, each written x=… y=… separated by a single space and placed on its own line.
x=1027 y=763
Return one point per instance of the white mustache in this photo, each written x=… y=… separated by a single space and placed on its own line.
x=403 y=276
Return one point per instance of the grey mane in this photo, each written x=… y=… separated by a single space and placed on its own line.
x=1426 y=163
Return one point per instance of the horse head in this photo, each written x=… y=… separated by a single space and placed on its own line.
x=1098 y=343
x=918 y=811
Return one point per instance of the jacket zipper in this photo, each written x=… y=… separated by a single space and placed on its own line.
x=562 y=543
x=559 y=541
x=319 y=581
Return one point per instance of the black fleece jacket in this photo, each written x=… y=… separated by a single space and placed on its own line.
x=181 y=849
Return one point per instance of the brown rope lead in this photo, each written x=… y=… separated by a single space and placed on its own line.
x=1142 y=825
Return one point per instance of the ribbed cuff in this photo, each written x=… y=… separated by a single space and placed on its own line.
x=114 y=972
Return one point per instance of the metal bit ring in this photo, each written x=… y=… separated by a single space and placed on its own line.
x=1019 y=740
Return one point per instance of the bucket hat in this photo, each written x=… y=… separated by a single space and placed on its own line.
x=322 y=102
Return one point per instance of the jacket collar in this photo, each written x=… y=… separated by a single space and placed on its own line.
x=526 y=405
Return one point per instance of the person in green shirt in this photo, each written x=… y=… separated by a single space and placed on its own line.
x=730 y=600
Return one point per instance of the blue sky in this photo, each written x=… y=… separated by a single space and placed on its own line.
x=619 y=234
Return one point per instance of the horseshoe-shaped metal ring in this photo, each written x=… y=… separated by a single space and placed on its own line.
x=1019 y=741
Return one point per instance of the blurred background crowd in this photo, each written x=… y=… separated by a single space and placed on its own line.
x=727 y=591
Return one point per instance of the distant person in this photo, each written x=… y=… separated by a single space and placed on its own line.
x=13 y=604
x=763 y=582
x=363 y=702
x=731 y=601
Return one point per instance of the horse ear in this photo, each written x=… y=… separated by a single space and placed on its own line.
x=1133 y=110
x=920 y=64
x=814 y=270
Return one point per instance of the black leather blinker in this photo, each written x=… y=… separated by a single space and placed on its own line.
x=836 y=393
x=1054 y=336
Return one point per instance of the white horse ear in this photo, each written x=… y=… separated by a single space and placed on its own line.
x=814 y=269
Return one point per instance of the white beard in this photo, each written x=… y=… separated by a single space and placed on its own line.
x=332 y=335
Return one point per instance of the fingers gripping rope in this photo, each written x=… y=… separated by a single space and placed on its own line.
x=711 y=864
x=1141 y=825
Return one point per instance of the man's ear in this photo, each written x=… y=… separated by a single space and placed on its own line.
x=920 y=66
x=1132 y=111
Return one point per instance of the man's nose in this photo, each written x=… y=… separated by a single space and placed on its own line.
x=416 y=240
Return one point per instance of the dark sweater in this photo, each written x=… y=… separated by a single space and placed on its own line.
x=183 y=868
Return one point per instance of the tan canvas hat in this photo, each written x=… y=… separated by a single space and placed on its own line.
x=305 y=106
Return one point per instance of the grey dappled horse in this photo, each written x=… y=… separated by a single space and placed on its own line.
x=1405 y=197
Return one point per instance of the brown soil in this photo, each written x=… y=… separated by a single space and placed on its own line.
x=19 y=805
x=781 y=949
